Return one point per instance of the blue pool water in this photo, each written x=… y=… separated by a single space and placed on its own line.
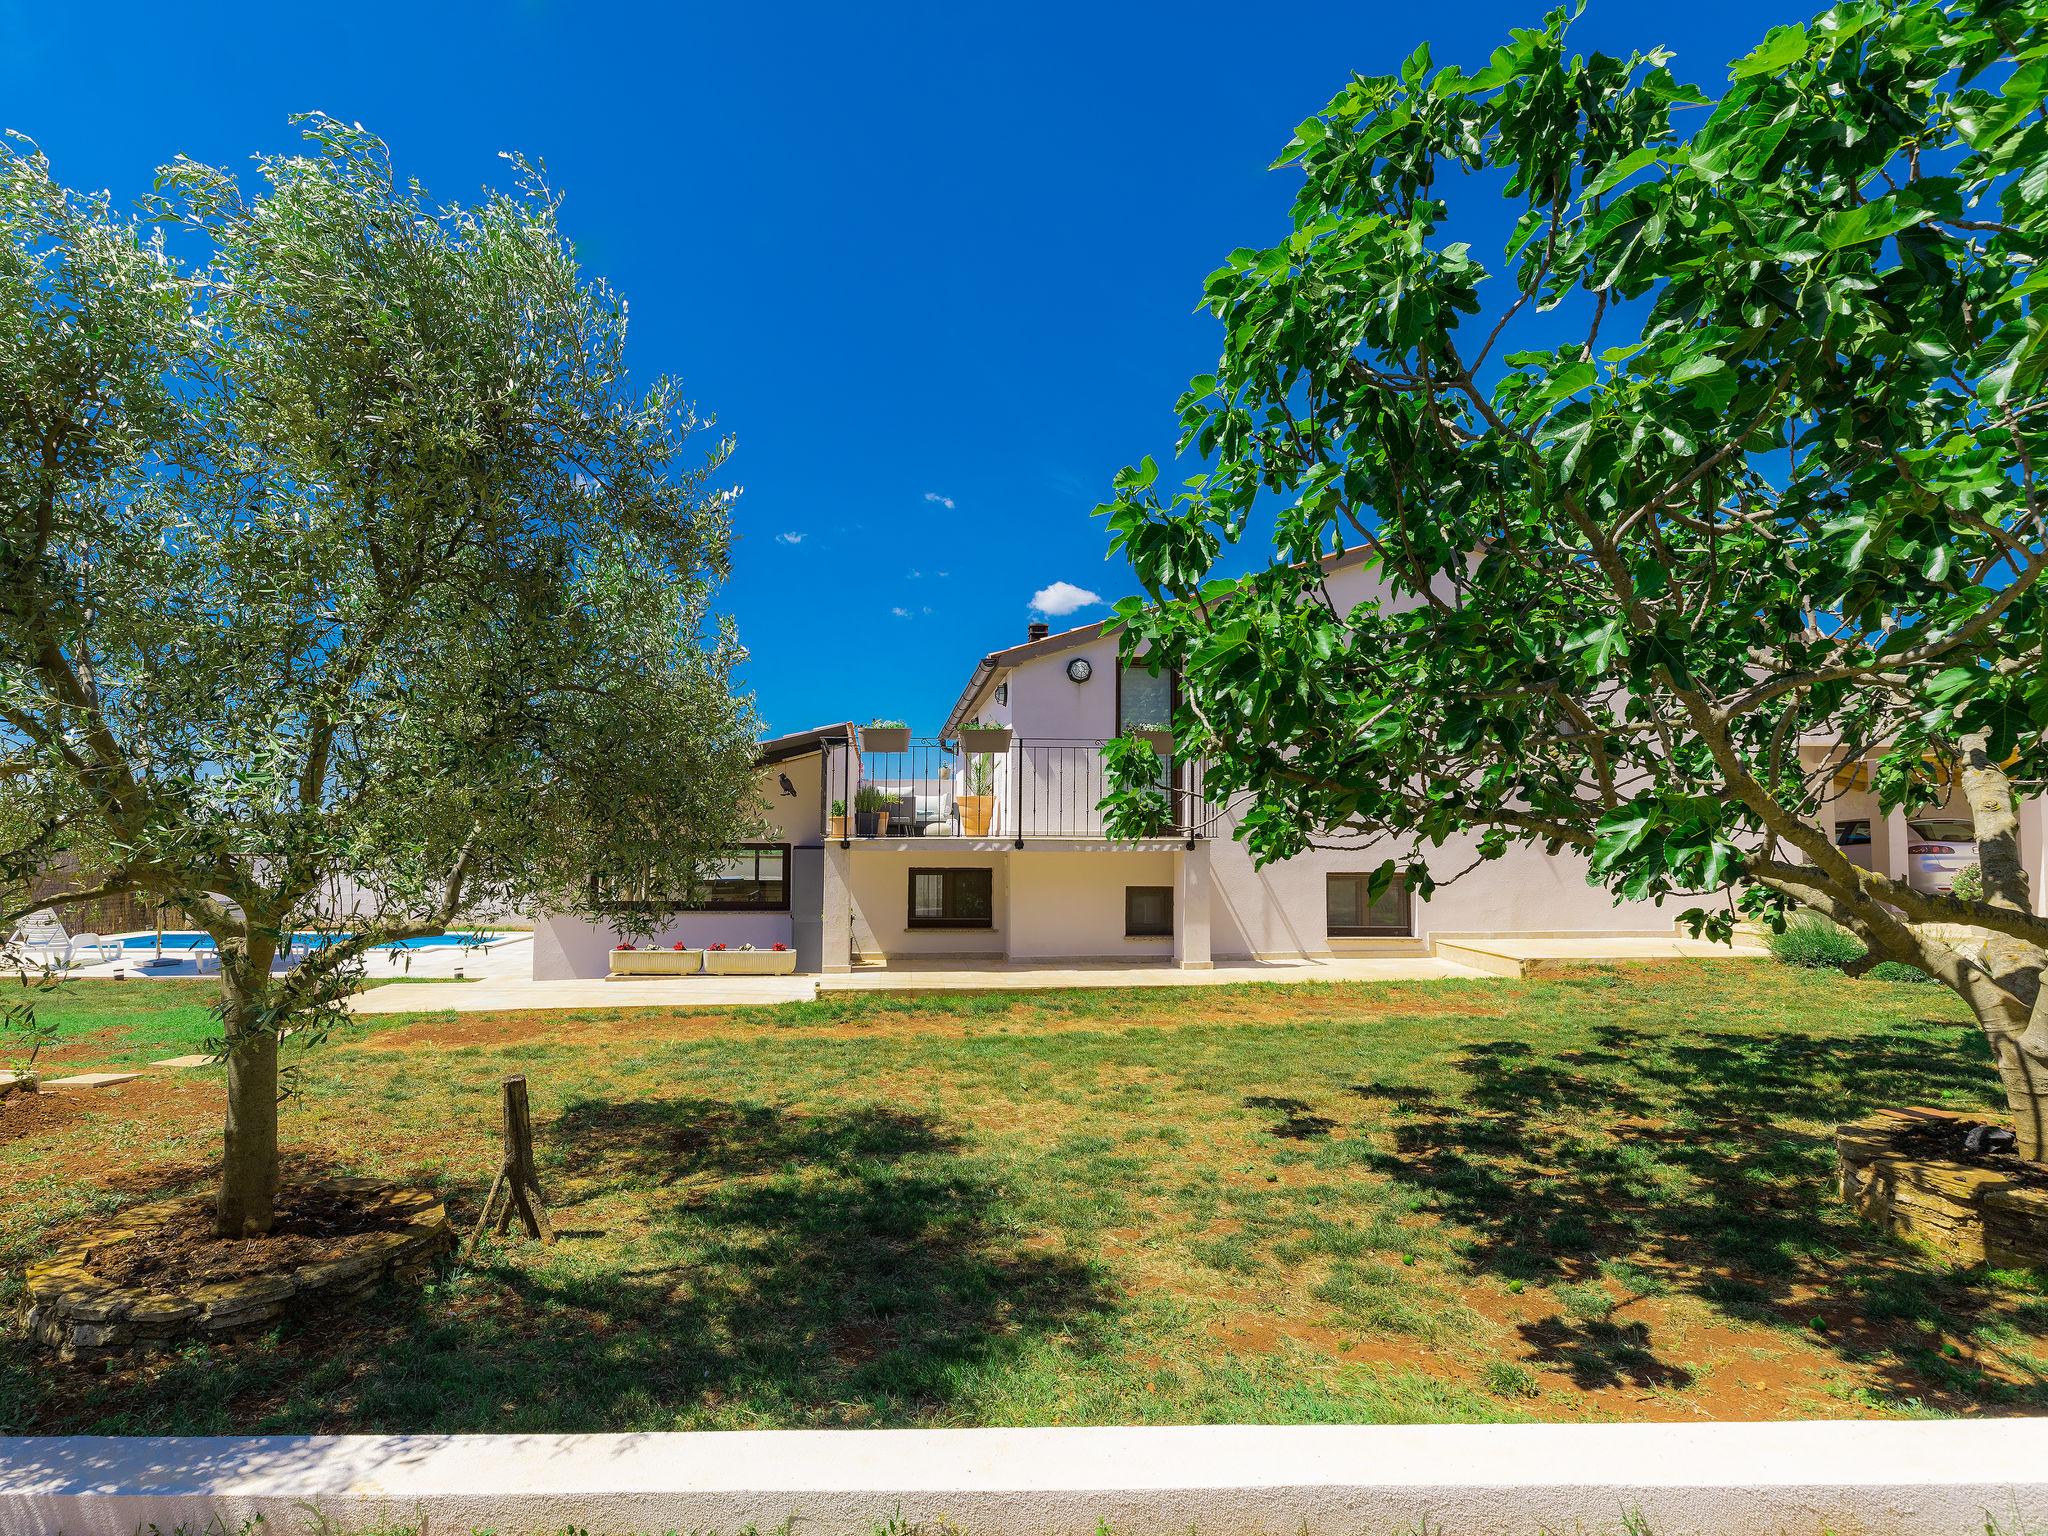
x=205 y=940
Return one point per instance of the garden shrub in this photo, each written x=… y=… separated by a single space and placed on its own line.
x=1969 y=884
x=1811 y=940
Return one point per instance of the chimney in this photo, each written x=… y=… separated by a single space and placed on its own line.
x=1037 y=630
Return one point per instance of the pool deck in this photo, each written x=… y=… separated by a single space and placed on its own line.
x=508 y=956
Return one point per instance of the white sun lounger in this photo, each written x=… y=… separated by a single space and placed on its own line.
x=42 y=937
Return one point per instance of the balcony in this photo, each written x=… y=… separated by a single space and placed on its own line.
x=1038 y=789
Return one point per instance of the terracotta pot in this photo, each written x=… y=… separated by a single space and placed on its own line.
x=977 y=814
x=835 y=827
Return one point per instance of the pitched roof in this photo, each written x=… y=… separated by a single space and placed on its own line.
x=780 y=749
x=1031 y=650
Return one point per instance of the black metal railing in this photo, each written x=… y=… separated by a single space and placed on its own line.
x=1037 y=788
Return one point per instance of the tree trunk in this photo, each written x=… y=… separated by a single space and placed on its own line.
x=2004 y=1020
x=245 y=1205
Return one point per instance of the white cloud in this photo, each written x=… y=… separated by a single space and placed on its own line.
x=1061 y=598
x=944 y=501
x=901 y=613
x=789 y=538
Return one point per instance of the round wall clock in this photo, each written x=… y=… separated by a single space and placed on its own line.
x=1080 y=670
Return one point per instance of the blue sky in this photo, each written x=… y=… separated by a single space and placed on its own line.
x=934 y=265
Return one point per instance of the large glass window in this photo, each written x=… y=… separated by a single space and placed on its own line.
x=1148 y=911
x=752 y=878
x=952 y=898
x=1353 y=914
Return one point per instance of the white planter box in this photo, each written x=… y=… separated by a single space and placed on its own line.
x=657 y=962
x=750 y=962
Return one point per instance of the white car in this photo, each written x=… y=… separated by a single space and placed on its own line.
x=1941 y=847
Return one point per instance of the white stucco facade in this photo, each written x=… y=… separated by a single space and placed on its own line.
x=1046 y=885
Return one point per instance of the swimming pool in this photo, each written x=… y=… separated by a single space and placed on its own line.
x=184 y=941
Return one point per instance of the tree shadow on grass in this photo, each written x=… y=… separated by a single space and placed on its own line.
x=748 y=1265
x=1681 y=1153
x=841 y=1267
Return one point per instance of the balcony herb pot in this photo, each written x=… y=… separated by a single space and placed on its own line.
x=883 y=738
x=870 y=811
x=1158 y=737
x=978 y=740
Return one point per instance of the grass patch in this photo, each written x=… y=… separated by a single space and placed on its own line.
x=1364 y=1203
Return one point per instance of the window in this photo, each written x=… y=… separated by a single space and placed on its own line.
x=1944 y=831
x=1148 y=911
x=754 y=877
x=952 y=898
x=751 y=879
x=1143 y=699
x=1354 y=915
x=1852 y=834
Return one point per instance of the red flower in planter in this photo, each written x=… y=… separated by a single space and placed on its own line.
x=622 y=946
x=679 y=944
x=778 y=947
x=715 y=946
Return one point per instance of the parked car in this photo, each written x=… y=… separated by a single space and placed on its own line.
x=1941 y=847
x=1853 y=838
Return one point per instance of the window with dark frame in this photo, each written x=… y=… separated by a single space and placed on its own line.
x=1353 y=914
x=1148 y=911
x=753 y=877
x=952 y=898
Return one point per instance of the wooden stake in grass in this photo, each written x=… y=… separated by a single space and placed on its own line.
x=516 y=1180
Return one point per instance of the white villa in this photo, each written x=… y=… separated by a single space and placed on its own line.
x=894 y=851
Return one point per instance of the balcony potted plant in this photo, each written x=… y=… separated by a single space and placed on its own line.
x=885 y=736
x=977 y=801
x=980 y=736
x=871 y=811
x=835 y=824
x=1158 y=737
x=776 y=960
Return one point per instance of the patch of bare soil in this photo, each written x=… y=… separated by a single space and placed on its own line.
x=1174 y=1009
x=28 y=1114
x=179 y=1248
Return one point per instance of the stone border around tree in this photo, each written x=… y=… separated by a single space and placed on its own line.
x=1964 y=1211
x=81 y=1317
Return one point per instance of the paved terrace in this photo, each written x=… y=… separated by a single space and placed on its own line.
x=500 y=978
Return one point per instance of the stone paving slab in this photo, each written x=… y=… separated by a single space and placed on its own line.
x=91 y=1080
x=184 y=1061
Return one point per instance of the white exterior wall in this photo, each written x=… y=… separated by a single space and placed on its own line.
x=1071 y=905
x=566 y=945
x=878 y=884
x=1279 y=910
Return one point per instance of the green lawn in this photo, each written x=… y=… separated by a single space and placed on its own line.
x=1605 y=1196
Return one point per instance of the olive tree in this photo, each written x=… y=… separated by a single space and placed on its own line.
x=1728 y=471
x=345 y=584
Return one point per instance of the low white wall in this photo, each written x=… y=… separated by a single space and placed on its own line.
x=567 y=947
x=1912 y=1479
